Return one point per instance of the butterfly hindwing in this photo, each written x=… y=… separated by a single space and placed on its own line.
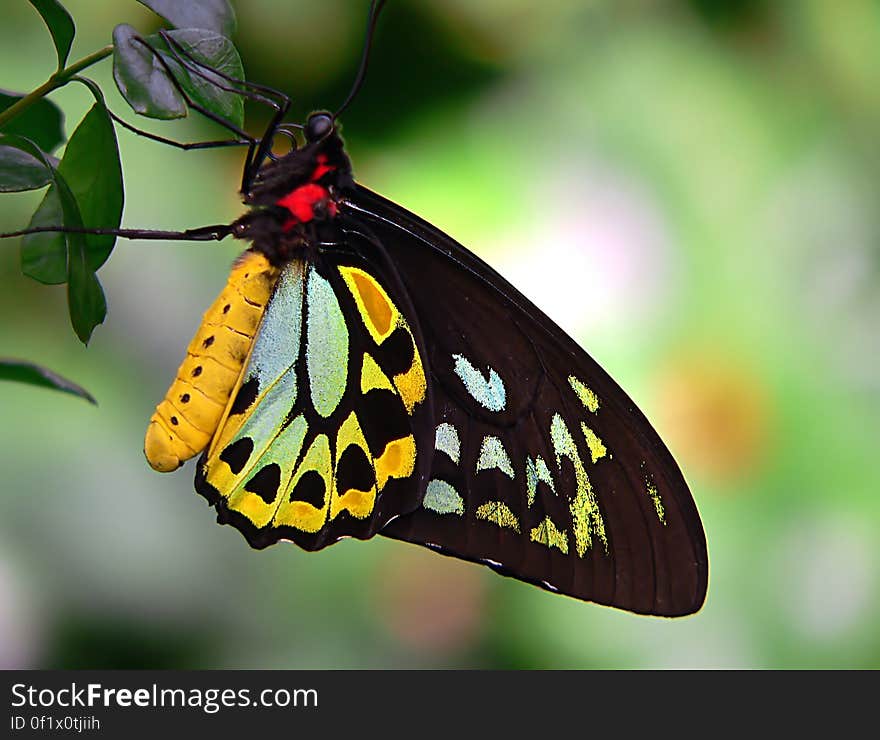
x=544 y=469
x=327 y=433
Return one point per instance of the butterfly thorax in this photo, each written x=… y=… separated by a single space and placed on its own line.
x=293 y=196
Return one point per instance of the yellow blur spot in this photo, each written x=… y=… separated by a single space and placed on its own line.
x=716 y=413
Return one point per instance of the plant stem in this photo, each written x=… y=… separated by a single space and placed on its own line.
x=55 y=81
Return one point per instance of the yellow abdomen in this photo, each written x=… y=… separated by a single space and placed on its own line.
x=187 y=417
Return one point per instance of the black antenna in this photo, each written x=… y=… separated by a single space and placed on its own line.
x=372 y=18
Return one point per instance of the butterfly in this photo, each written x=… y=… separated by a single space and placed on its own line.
x=363 y=373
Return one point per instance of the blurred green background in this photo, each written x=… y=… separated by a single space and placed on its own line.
x=689 y=187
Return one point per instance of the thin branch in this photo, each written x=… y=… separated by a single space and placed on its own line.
x=54 y=82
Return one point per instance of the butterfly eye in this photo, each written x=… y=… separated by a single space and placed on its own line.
x=318 y=126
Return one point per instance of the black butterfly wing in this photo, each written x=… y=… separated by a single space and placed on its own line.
x=544 y=469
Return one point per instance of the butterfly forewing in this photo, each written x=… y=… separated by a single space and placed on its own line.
x=328 y=432
x=543 y=469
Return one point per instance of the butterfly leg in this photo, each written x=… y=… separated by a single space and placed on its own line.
x=252 y=91
x=215 y=232
x=178 y=144
x=189 y=101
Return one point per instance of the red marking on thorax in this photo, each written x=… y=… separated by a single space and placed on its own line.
x=322 y=169
x=302 y=200
x=301 y=204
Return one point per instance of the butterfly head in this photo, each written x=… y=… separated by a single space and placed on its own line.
x=296 y=192
x=319 y=126
x=321 y=159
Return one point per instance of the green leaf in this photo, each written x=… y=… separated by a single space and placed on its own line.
x=91 y=168
x=211 y=15
x=42 y=122
x=60 y=26
x=21 y=171
x=27 y=372
x=85 y=298
x=216 y=52
x=142 y=79
x=44 y=255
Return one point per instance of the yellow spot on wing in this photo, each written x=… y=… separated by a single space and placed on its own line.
x=588 y=398
x=376 y=308
x=412 y=385
x=547 y=534
x=283 y=452
x=382 y=317
x=498 y=513
x=658 y=504
x=301 y=514
x=252 y=506
x=585 y=514
x=357 y=502
x=597 y=449
x=398 y=460
x=372 y=376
